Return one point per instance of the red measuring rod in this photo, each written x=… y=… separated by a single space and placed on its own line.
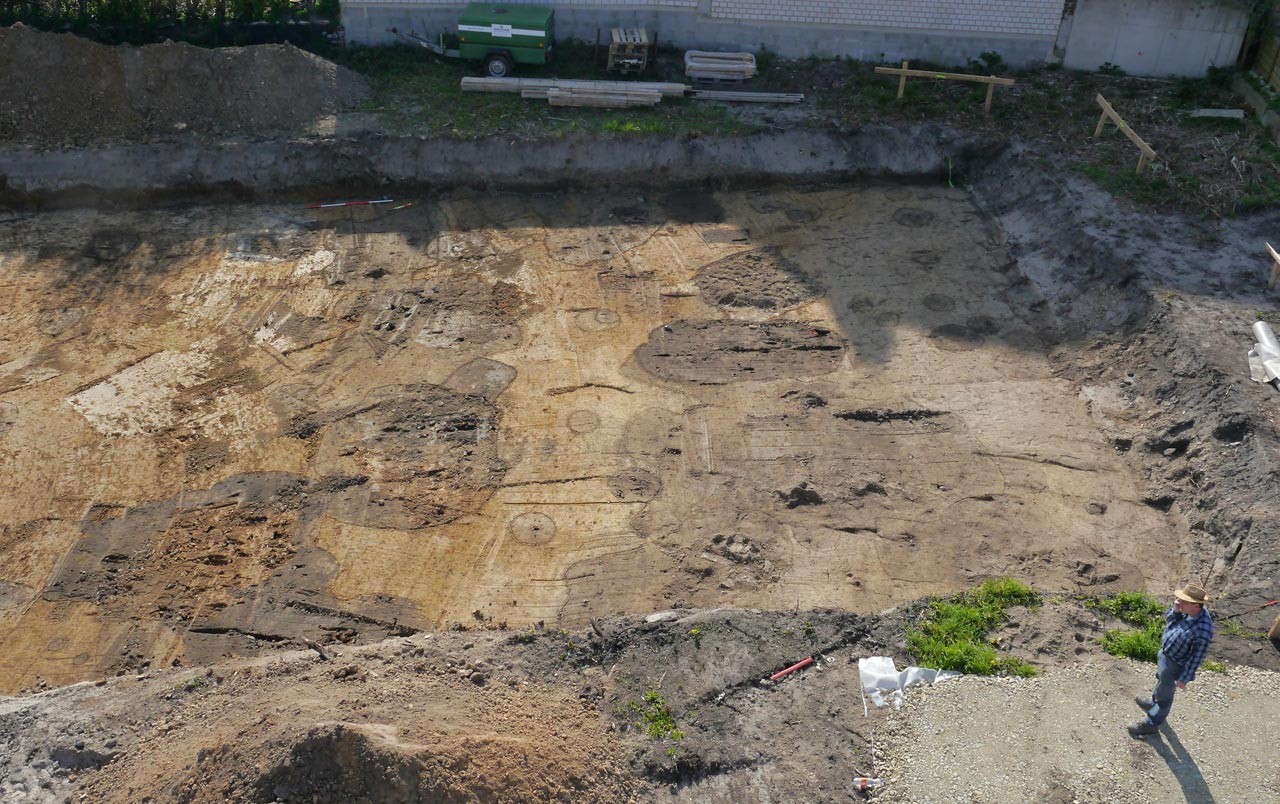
x=350 y=204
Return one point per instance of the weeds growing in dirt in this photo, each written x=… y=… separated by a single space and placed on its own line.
x=1146 y=614
x=1134 y=608
x=953 y=636
x=1143 y=644
x=1138 y=609
x=1236 y=629
x=656 y=718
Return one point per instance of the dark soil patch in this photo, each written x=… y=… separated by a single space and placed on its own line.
x=718 y=352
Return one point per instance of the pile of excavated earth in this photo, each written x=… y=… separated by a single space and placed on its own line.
x=62 y=89
x=511 y=496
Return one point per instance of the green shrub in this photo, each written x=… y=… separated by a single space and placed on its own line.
x=954 y=634
x=988 y=63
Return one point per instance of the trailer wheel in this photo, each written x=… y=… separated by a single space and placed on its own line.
x=497 y=65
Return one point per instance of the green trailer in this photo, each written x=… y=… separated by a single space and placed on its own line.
x=499 y=36
x=504 y=36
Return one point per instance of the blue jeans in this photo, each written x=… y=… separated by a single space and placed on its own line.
x=1167 y=673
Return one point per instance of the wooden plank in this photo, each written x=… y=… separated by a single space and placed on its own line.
x=1226 y=114
x=622 y=93
x=981 y=79
x=1275 y=268
x=518 y=85
x=715 y=55
x=1108 y=111
x=902 y=82
x=747 y=97
x=605 y=100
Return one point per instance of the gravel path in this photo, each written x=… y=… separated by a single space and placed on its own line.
x=1060 y=738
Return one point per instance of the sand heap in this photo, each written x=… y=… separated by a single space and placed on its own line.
x=61 y=89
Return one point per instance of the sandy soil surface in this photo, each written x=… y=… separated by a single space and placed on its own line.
x=465 y=445
x=233 y=426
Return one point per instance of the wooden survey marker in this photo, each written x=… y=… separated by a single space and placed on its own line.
x=904 y=72
x=1275 y=268
x=1107 y=112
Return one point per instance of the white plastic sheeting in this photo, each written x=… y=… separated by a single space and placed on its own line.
x=1264 y=357
x=883 y=682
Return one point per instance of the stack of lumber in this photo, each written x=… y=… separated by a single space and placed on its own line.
x=538 y=87
x=747 y=97
x=603 y=99
x=705 y=65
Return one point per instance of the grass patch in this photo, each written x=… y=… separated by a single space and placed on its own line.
x=1140 y=610
x=656 y=718
x=1134 y=608
x=954 y=634
x=414 y=92
x=1146 y=614
x=1236 y=629
x=1143 y=644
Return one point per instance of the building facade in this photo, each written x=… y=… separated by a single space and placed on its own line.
x=1193 y=34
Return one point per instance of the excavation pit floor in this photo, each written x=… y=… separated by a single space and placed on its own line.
x=228 y=427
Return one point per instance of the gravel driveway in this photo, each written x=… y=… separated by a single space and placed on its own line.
x=1060 y=738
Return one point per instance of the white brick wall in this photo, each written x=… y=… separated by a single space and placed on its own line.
x=1027 y=17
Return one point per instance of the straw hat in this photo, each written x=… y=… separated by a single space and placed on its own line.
x=1192 y=593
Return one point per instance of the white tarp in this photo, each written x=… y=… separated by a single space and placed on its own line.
x=884 y=683
x=1264 y=357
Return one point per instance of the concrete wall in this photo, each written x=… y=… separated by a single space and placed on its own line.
x=1155 y=37
x=950 y=33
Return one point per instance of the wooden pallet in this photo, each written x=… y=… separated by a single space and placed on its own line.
x=629 y=50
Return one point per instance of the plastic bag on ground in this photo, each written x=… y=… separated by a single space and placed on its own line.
x=884 y=683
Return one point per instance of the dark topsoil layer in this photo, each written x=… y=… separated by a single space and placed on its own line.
x=685 y=696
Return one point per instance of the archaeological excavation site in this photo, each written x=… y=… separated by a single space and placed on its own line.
x=347 y=461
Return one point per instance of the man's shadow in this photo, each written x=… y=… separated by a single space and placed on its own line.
x=1184 y=768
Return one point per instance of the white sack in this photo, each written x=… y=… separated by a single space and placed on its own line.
x=883 y=682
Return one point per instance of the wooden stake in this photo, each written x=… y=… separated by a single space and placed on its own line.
x=906 y=72
x=1275 y=269
x=1108 y=112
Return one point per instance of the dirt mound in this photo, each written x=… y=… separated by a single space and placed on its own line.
x=61 y=89
x=355 y=762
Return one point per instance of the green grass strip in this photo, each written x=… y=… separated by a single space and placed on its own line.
x=954 y=634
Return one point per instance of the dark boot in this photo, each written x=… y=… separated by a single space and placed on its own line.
x=1142 y=728
x=1144 y=704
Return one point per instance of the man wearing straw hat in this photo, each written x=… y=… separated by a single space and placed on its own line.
x=1188 y=630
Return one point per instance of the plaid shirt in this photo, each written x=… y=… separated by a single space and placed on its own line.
x=1186 y=640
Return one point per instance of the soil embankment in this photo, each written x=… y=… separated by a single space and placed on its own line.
x=62 y=90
